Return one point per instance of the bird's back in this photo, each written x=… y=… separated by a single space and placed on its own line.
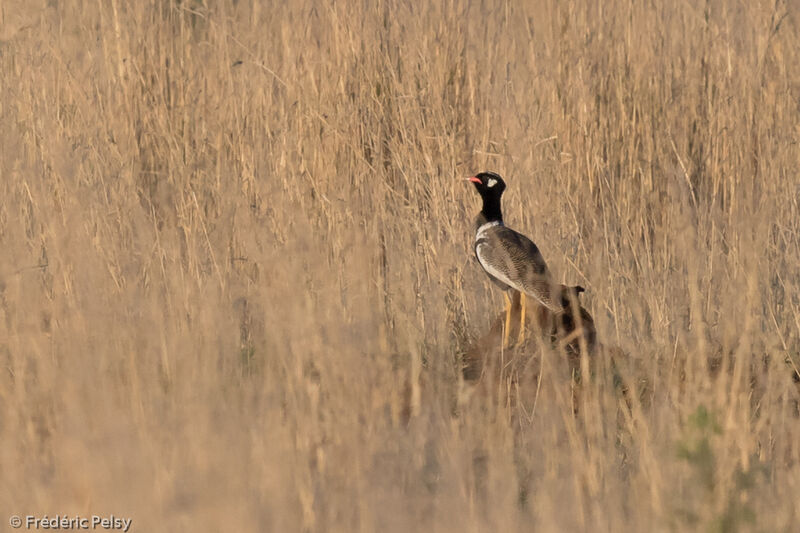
x=514 y=260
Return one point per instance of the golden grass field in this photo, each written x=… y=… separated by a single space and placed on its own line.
x=237 y=280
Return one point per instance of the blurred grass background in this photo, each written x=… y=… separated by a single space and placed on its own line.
x=236 y=273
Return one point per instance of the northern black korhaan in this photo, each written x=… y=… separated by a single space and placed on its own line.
x=512 y=260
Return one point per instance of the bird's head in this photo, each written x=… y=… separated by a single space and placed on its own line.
x=488 y=184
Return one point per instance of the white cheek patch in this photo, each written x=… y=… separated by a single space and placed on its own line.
x=491 y=182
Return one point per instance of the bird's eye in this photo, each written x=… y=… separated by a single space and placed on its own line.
x=491 y=182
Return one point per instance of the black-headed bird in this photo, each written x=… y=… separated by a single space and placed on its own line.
x=512 y=260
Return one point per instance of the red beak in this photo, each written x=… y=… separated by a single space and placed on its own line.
x=473 y=179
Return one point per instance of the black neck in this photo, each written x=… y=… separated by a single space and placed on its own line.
x=491 y=209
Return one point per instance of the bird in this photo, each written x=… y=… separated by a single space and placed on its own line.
x=511 y=260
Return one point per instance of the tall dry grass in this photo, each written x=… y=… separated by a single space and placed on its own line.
x=236 y=275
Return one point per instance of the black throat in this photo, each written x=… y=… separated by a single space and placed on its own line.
x=491 y=208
